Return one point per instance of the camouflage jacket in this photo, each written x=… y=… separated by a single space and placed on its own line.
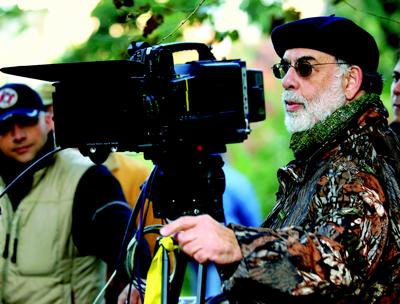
x=333 y=236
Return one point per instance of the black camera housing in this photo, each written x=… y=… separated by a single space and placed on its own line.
x=149 y=104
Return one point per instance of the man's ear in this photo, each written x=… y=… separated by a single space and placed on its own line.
x=49 y=120
x=352 y=82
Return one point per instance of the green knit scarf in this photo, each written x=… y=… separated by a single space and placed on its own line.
x=333 y=125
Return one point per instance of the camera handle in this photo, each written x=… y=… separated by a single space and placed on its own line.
x=187 y=184
x=203 y=50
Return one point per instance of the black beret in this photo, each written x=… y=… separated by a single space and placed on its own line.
x=336 y=36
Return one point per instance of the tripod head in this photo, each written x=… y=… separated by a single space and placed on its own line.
x=188 y=183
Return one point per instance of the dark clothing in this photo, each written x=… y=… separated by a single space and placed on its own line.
x=333 y=236
x=395 y=126
x=100 y=215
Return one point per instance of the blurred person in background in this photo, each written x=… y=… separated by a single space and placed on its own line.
x=241 y=206
x=395 y=95
x=131 y=174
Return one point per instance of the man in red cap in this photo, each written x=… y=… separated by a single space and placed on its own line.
x=333 y=236
x=60 y=218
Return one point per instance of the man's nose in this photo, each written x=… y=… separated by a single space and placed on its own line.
x=290 y=80
x=18 y=133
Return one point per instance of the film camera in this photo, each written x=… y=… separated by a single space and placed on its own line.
x=178 y=115
x=149 y=104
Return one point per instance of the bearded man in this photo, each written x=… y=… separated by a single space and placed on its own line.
x=333 y=236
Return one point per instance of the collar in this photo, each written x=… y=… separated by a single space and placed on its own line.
x=309 y=141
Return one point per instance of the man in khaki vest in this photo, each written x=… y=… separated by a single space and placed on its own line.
x=61 y=219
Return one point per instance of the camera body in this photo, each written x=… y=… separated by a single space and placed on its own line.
x=149 y=104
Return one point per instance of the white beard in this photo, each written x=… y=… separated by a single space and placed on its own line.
x=315 y=110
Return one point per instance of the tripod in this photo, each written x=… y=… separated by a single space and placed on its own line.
x=186 y=182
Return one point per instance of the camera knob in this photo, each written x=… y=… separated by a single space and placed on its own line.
x=134 y=46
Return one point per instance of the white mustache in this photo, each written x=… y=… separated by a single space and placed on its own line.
x=292 y=96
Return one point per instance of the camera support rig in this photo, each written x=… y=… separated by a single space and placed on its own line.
x=188 y=182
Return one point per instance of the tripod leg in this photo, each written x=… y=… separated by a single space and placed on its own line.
x=201 y=283
x=177 y=283
x=165 y=277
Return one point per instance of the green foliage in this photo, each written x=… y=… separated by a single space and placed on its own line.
x=163 y=22
x=272 y=13
x=10 y=13
x=232 y=35
x=14 y=19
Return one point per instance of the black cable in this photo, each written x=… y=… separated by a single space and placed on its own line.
x=136 y=209
x=147 y=190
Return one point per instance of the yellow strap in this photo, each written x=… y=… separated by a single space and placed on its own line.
x=187 y=95
x=154 y=275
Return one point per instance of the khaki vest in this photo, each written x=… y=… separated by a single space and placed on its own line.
x=41 y=264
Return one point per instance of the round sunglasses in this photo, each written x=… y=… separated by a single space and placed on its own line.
x=303 y=68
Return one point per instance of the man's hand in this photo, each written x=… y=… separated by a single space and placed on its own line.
x=204 y=239
x=134 y=296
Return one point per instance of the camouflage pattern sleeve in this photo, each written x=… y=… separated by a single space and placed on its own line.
x=333 y=252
